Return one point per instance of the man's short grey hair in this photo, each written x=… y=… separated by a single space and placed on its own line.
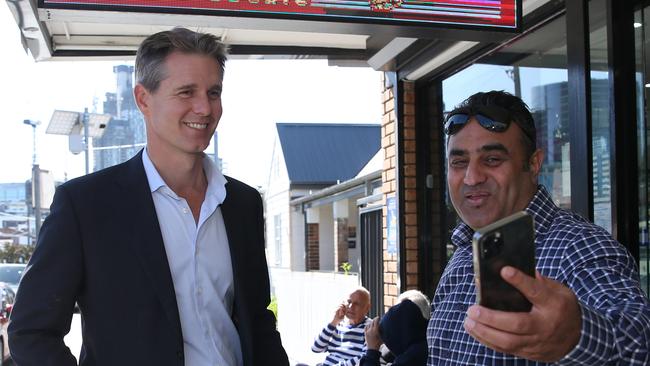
x=150 y=59
x=419 y=299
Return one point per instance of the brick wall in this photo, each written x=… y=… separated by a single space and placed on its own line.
x=388 y=137
x=410 y=214
x=313 y=257
x=389 y=188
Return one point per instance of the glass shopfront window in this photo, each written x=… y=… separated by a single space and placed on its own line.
x=600 y=113
x=534 y=68
x=642 y=37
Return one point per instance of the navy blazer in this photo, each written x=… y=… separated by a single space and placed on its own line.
x=101 y=247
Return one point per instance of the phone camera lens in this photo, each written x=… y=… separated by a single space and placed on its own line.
x=492 y=245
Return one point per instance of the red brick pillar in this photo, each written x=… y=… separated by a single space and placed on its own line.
x=408 y=189
x=410 y=214
x=389 y=185
x=313 y=257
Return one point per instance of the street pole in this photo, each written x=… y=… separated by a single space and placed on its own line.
x=29 y=225
x=36 y=186
x=36 y=178
x=34 y=144
x=517 y=80
x=86 y=142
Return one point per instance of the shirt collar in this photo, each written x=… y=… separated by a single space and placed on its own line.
x=153 y=177
x=541 y=208
x=216 y=181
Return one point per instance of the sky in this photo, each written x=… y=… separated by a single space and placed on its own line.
x=257 y=94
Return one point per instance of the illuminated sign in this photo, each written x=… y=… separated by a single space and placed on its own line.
x=503 y=14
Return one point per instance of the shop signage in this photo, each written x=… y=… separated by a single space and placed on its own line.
x=501 y=14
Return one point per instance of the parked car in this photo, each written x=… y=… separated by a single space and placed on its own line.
x=7 y=297
x=11 y=273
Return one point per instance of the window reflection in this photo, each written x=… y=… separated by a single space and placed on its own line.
x=642 y=36
x=600 y=114
x=535 y=68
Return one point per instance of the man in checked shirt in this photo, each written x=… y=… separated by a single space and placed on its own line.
x=588 y=307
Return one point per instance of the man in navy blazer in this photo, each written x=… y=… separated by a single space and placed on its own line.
x=163 y=254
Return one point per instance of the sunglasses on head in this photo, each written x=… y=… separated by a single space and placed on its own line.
x=457 y=121
x=492 y=119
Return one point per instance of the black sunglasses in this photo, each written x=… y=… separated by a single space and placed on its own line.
x=499 y=123
x=456 y=122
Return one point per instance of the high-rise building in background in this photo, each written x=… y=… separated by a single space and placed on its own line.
x=551 y=111
x=125 y=135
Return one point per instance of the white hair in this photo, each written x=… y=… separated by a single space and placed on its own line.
x=419 y=299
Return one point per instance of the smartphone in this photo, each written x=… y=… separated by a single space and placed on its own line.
x=507 y=242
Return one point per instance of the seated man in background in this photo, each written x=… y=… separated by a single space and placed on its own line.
x=343 y=338
x=587 y=305
x=399 y=338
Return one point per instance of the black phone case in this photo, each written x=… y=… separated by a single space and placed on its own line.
x=509 y=241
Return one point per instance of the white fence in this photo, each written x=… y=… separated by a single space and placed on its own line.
x=306 y=303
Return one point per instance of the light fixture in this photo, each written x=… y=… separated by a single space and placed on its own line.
x=440 y=59
x=379 y=60
x=637 y=25
x=79 y=127
x=64 y=123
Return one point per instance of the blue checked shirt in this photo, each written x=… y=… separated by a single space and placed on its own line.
x=583 y=256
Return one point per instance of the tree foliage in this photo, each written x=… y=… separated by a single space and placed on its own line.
x=273 y=306
x=16 y=253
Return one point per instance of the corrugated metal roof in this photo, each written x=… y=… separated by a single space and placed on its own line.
x=317 y=153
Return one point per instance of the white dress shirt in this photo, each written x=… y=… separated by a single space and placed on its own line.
x=201 y=269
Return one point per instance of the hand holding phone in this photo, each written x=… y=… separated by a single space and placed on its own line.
x=507 y=242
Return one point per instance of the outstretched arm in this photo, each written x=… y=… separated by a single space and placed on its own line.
x=603 y=318
x=547 y=333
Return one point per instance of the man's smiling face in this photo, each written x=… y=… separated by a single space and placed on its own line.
x=488 y=174
x=183 y=113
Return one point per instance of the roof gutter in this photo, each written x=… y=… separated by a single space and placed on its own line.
x=338 y=188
